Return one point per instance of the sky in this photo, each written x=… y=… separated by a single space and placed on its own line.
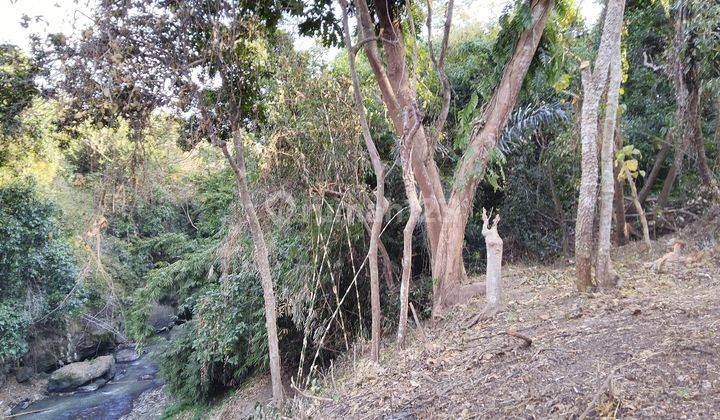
x=68 y=16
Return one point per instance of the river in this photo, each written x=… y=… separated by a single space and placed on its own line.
x=112 y=401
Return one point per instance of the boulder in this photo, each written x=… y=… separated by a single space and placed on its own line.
x=94 y=385
x=74 y=375
x=126 y=355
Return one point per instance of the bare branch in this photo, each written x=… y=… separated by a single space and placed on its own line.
x=439 y=65
x=647 y=62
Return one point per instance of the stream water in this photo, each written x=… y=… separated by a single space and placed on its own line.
x=112 y=401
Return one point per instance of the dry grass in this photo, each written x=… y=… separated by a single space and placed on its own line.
x=649 y=349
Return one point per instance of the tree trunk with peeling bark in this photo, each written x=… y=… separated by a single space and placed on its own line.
x=448 y=269
x=594 y=83
x=380 y=202
x=446 y=219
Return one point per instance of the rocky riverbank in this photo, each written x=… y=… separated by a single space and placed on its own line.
x=106 y=387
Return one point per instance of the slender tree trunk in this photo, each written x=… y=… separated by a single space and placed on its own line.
x=654 y=173
x=380 y=202
x=638 y=206
x=670 y=179
x=263 y=263
x=593 y=86
x=622 y=236
x=588 y=186
x=621 y=231
x=606 y=276
x=387 y=267
x=386 y=261
x=415 y=209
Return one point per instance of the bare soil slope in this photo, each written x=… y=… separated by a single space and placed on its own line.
x=650 y=349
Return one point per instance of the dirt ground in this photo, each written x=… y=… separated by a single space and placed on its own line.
x=650 y=349
x=12 y=393
x=150 y=405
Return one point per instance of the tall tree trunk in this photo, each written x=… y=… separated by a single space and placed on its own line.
x=415 y=209
x=448 y=269
x=593 y=86
x=606 y=276
x=380 y=202
x=262 y=260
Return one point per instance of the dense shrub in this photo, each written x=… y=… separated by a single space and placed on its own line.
x=37 y=266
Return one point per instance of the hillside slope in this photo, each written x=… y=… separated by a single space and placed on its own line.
x=650 y=349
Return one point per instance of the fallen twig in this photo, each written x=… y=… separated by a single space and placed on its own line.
x=417 y=322
x=528 y=340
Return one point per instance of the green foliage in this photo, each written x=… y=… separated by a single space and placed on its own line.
x=223 y=343
x=648 y=94
x=180 y=367
x=34 y=147
x=36 y=264
x=13 y=327
x=17 y=86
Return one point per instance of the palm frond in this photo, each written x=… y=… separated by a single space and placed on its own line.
x=526 y=122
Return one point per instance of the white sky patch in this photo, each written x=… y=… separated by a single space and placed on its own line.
x=46 y=16
x=70 y=16
x=466 y=12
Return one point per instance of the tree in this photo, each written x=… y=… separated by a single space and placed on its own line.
x=207 y=61
x=17 y=86
x=446 y=218
x=239 y=65
x=628 y=171
x=605 y=76
x=685 y=72
x=380 y=201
